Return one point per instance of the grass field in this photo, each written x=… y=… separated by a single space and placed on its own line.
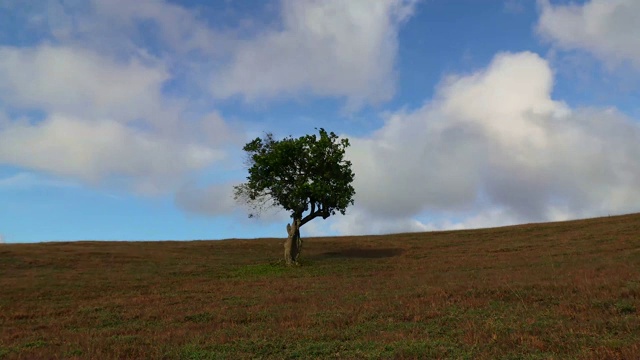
x=567 y=290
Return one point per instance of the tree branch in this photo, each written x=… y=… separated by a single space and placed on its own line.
x=315 y=212
x=310 y=217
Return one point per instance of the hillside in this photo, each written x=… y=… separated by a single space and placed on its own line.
x=540 y=291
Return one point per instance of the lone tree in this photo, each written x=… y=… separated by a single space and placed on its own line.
x=307 y=176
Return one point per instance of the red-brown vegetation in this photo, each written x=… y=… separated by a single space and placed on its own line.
x=540 y=291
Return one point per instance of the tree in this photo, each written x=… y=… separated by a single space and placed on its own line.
x=307 y=176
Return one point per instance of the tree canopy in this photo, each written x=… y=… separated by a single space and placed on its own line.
x=302 y=175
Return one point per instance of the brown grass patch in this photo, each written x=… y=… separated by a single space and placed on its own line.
x=541 y=291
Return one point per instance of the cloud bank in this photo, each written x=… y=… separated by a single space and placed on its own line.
x=101 y=118
x=494 y=148
x=93 y=102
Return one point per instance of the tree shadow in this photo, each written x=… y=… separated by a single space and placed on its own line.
x=363 y=253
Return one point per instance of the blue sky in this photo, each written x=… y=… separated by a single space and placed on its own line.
x=124 y=120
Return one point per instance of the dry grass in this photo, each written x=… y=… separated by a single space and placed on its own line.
x=549 y=291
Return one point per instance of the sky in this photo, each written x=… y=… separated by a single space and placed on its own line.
x=125 y=120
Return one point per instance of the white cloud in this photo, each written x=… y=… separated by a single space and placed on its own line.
x=494 y=148
x=359 y=222
x=119 y=26
x=606 y=28
x=180 y=37
x=326 y=48
x=27 y=180
x=211 y=200
x=178 y=27
x=93 y=150
x=102 y=117
x=217 y=199
x=81 y=82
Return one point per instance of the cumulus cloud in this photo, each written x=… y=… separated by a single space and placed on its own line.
x=327 y=48
x=95 y=150
x=75 y=80
x=362 y=223
x=103 y=118
x=98 y=99
x=494 y=148
x=217 y=199
x=91 y=103
x=211 y=200
x=606 y=28
x=179 y=28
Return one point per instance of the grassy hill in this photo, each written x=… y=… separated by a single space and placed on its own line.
x=568 y=290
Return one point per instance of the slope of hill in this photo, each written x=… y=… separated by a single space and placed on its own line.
x=541 y=291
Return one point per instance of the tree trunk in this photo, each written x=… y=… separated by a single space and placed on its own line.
x=293 y=244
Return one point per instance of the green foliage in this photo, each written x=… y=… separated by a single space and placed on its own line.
x=307 y=174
